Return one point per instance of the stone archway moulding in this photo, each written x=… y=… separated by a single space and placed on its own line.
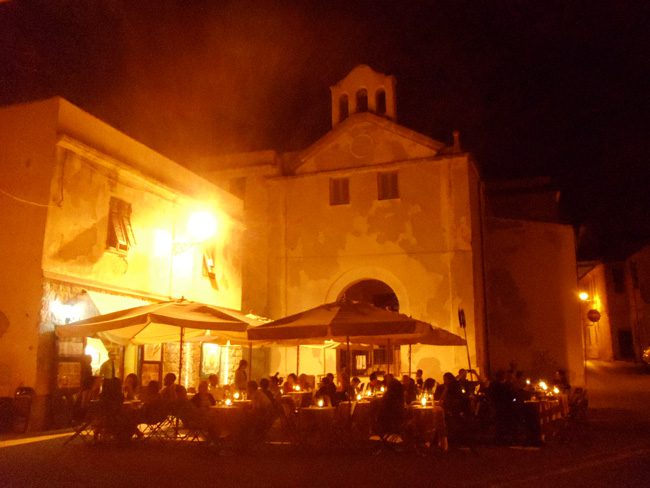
x=356 y=275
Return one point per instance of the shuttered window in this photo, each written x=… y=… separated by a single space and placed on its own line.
x=120 y=235
x=387 y=185
x=339 y=191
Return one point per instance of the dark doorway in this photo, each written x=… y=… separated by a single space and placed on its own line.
x=625 y=344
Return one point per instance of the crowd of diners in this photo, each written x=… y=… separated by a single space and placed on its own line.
x=470 y=403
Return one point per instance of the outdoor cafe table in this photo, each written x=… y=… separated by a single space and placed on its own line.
x=301 y=399
x=357 y=415
x=540 y=415
x=229 y=419
x=430 y=420
x=315 y=424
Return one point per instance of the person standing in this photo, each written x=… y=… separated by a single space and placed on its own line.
x=241 y=377
x=109 y=368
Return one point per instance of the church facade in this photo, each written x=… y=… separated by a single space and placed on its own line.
x=375 y=211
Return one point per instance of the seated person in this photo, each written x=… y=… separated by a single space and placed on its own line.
x=154 y=409
x=131 y=386
x=561 y=381
x=453 y=400
x=119 y=422
x=172 y=391
x=391 y=410
x=419 y=381
x=355 y=387
x=410 y=389
x=261 y=413
x=215 y=389
x=290 y=384
x=274 y=385
x=373 y=383
x=429 y=386
x=327 y=392
x=203 y=398
x=305 y=382
x=89 y=393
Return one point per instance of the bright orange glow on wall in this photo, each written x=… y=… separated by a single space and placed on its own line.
x=202 y=226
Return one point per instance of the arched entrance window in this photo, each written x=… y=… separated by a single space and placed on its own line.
x=344 y=108
x=372 y=291
x=381 y=359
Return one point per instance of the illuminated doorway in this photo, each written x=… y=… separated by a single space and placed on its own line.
x=370 y=359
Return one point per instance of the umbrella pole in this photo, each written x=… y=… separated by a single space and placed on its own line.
x=348 y=364
x=409 y=360
x=180 y=355
x=298 y=359
x=250 y=358
x=391 y=355
x=469 y=362
x=180 y=371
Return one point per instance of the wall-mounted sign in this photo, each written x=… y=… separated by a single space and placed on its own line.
x=593 y=315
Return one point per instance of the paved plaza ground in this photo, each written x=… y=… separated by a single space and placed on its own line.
x=612 y=449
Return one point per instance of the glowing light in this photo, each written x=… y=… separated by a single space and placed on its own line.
x=543 y=385
x=321 y=402
x=162 y=243
x=228 y=402
x=296 y=388
x=236 y=395
x=64 y=313
x=368 y=393
x=382 y=389
x=202 y=226
x=556 y=390
x=584 y=296
x=423 y=400
x=359 y=396
x=528 y=381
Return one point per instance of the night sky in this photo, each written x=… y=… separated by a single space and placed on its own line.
x=552 y=88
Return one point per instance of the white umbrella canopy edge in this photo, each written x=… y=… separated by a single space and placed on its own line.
x=356 y=322
x=196 y=318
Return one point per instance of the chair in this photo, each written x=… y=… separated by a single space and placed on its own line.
x=23 y=399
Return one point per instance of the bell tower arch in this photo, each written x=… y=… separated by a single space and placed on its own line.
x=363 y=90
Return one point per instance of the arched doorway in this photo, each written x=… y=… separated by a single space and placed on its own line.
x=368 y=359
x=372 y=291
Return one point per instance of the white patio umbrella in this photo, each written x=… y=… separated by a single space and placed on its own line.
x=171 y=321
x=353 y=322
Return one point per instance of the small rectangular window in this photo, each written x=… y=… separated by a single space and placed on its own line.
x=339 y=191
x=387 y=186
x=120 y=235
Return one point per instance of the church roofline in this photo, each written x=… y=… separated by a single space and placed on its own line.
x=371 y=118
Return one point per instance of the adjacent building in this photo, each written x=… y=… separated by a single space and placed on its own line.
x=94 y=222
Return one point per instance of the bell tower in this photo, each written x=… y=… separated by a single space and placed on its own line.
x=363 y=90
